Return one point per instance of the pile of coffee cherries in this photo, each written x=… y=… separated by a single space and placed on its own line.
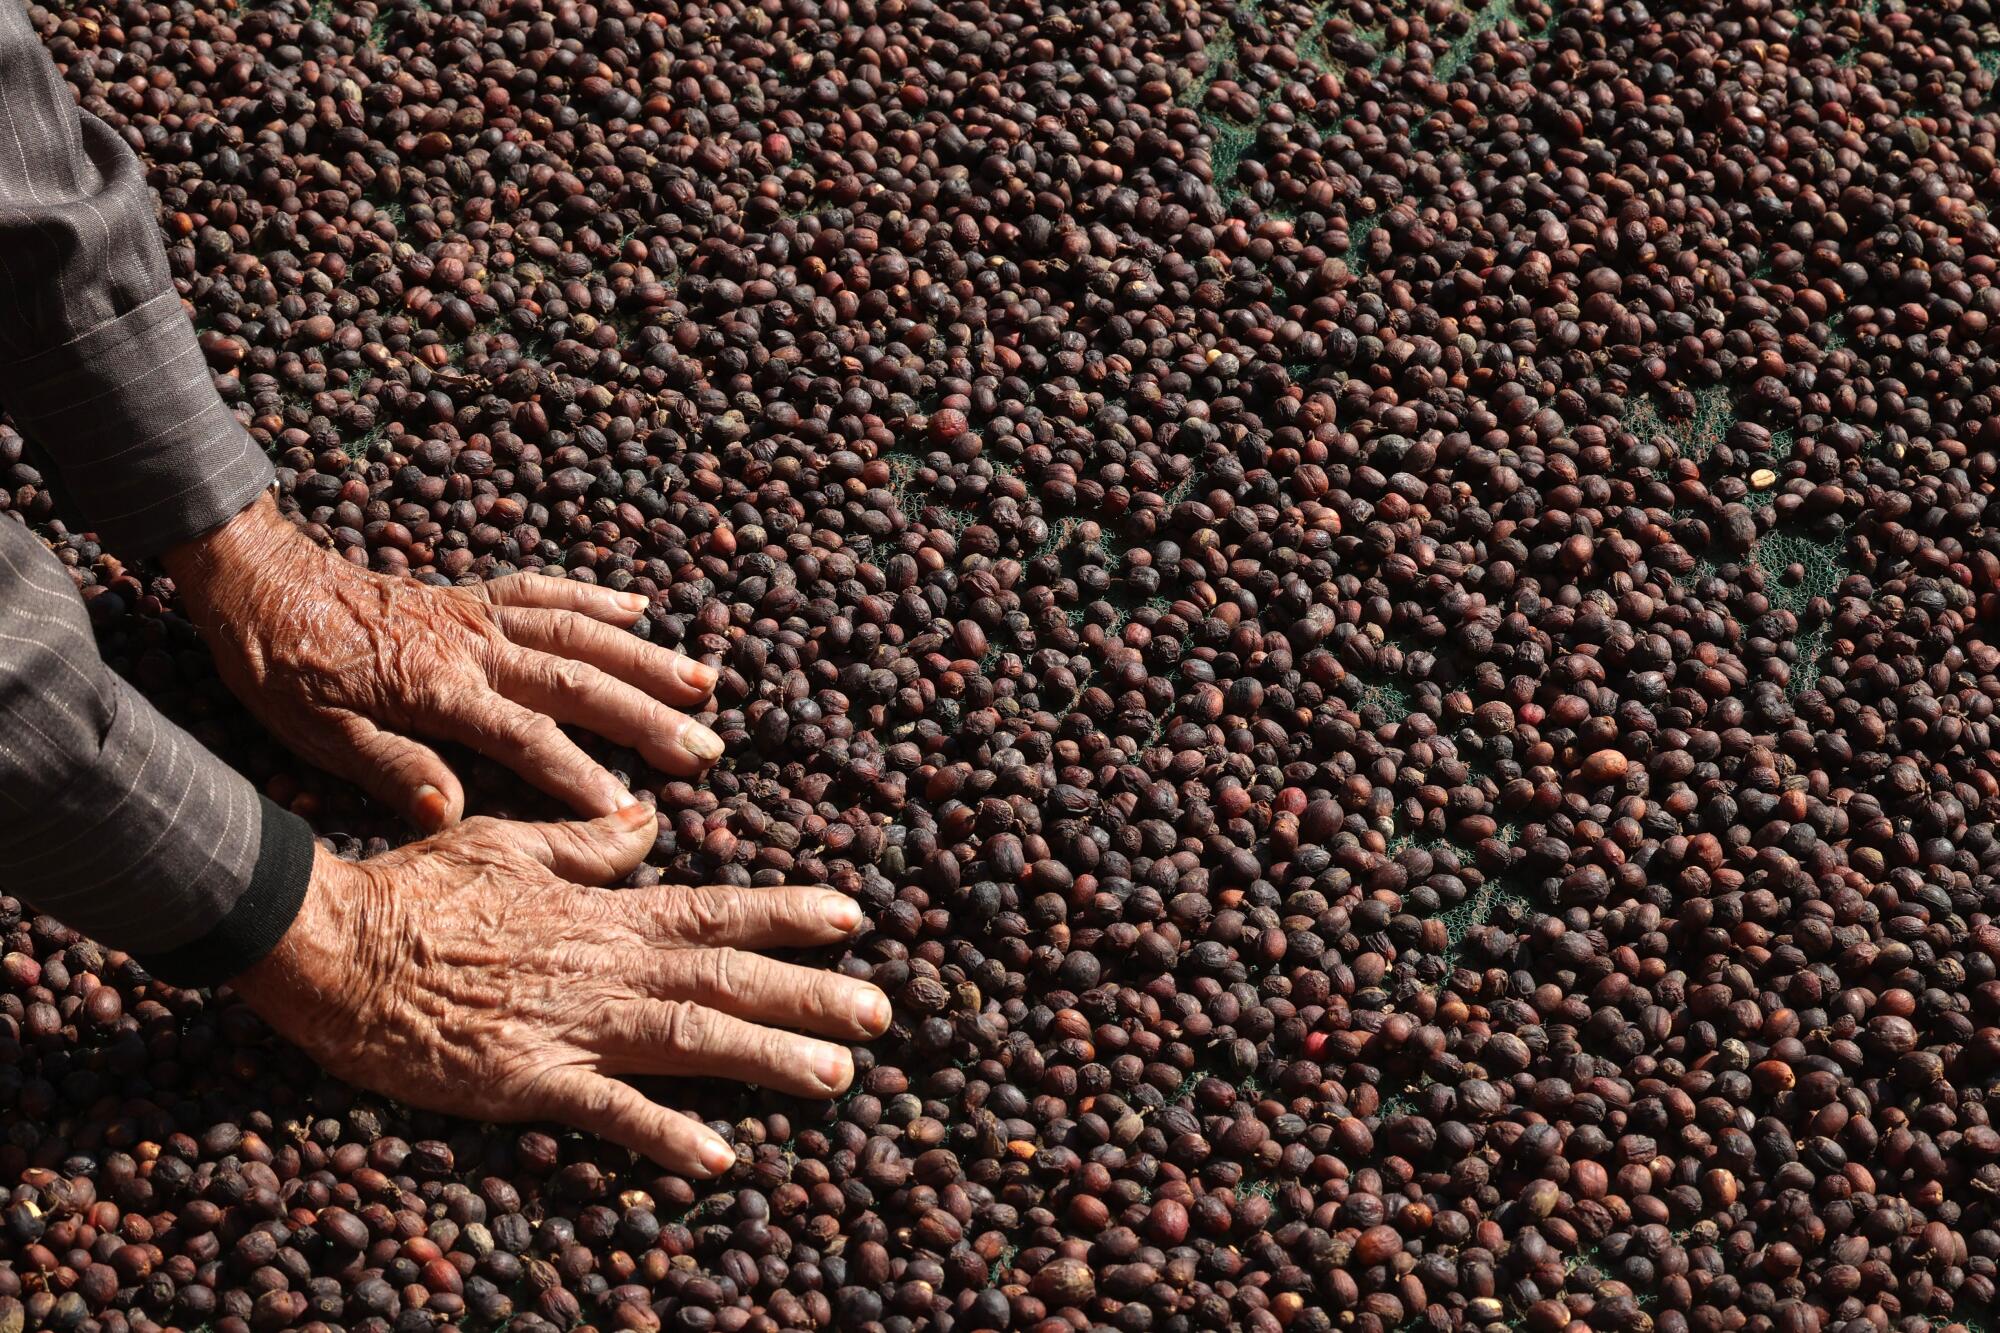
x=1393 y=610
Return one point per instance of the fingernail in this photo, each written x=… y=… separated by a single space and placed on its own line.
x=871 y=1010
x=633 y=813
x=841 y=911
x=632 y=601
x=702 y=743
x=431 y=806
x=717 y=1156
x=697 y=675
x=831 y=1066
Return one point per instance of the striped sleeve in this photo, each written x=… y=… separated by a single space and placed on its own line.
x=112 y=818
x=98 y=361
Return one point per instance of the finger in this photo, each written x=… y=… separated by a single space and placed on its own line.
x=404 y=774
x=562 y=594
x=580 y=694
x=596 y=851
x=761 y=990
x=616 y=1111
x=715 y=916
x=666 y=675
x=693 y=1040
x=533 y=745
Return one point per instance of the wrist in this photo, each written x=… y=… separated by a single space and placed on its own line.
x=249 y=539
x=262 y=915
x=306 y=956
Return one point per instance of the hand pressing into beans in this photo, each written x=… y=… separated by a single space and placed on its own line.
x=471 y=974
x=348 y=667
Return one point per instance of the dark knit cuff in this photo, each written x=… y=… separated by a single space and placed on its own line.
x=260 y=917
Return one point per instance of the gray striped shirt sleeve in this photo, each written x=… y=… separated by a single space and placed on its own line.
x=98 y=361
x=111 y=817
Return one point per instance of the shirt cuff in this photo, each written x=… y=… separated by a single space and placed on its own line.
x=260 y=918
x=148 y=451
x=146 y=843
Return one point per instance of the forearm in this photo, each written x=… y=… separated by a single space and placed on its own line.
x=98 y=361
x=113 y=819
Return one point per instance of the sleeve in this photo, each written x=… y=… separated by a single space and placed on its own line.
x=98 y=361
x=112 y=818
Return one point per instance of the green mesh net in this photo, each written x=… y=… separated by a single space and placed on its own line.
x=1402 y=1102
x=1479 y=909
x=1357 y=234
x=1713 y=413
x=1061 y=533
x=1181 y=489
x=1220 y=50
x=1798 y=567
x=1809 y=667
x=1259 y=1185
x=904 y=483
x=1455 y=57
x=1312 y=47
x=1693 y=437
x=1230 y=143
x=1384 y=700
x=1643 y=419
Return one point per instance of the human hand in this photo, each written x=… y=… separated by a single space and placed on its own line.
x=470 y=974
x=347 y=667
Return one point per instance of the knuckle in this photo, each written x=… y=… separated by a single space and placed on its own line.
x=437 y=696
x=797 y=908
x=567 y=632
x=832 y=994
x=564 y=845
x=703 y=913
x=782 y=1050
x=568 y=678
x=481 y=829
x=539 y=729
x=464 y=698
x=727 y=972
x=682 y=1025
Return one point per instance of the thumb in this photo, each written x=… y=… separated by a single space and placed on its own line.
x=401 y=773
x=597 y=851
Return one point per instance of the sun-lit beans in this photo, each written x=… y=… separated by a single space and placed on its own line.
x=1387 y=608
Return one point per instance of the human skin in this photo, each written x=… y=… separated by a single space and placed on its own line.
x=349 y=668
x=478 y=972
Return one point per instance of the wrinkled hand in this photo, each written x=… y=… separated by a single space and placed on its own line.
x=470 y=974
x=346 y=667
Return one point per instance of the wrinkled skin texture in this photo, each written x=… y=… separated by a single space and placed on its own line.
x=473 y=973
x=347 y=667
